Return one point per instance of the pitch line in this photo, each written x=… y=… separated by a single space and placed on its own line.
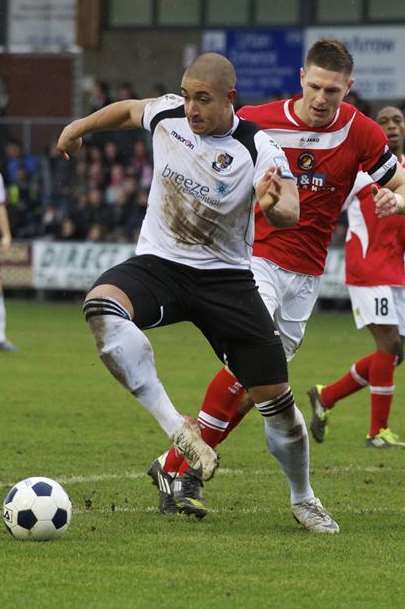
x=262 y=509
x=223 y=471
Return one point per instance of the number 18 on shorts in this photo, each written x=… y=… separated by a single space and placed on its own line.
x=380 y=305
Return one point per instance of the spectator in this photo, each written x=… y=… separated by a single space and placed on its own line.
x=68 y=230
x=51 y=221
x=158 y=89
x=99 y=96
x=112 y=153
x=15 y=158
x=141 y=164
x=79 y=185
x=96 y=174
x=56 y=177
x=361 y=104
x=126 y=91
x=116 y=184
x=96 y=216
x=121 y=217
x=24 y=208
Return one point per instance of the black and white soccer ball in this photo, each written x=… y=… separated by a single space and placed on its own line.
x=37 y=508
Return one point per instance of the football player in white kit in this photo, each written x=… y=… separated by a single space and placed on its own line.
x=193 y=264
x=325 y=141
x=5 y=242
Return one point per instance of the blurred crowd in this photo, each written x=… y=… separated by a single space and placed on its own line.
x=101 y=195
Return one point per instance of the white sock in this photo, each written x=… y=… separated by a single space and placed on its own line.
x=2 y=319
x=287 y=440
x=128 y=355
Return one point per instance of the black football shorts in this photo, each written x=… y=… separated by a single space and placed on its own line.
x=223 y=303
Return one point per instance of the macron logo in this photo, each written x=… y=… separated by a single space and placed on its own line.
x=182 y=139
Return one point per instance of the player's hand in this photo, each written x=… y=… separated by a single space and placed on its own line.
x=5 y=243
x=386 y=202
x=68 y=144
x=268 y=189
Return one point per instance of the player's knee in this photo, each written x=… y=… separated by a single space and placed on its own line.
x=112 y=294
x=291 y=421
x=246 y=404
x=400 y=351
x=280 y=407
x=395 y=347
x=264 y=393
x=105 y=318
x=103 y=308
x=388 y=339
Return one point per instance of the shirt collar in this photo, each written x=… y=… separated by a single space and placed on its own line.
x=235 y=123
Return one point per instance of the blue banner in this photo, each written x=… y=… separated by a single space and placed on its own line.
x=267 y=62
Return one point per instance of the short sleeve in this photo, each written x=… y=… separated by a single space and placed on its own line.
x=246 y=113
x=160 y=105
x=269 y=154
x=362 y=180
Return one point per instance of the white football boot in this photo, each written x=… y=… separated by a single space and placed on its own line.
x=199 y=455
x=313 y=517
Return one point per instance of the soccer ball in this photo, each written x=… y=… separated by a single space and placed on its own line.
x=37 y=508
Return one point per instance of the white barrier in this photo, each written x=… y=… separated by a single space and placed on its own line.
x=333 y=280
x=74 y=265
x=65 y=265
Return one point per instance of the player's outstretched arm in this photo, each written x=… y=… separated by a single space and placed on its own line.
x=390 y=200
x=125 y=114
x=278 y=198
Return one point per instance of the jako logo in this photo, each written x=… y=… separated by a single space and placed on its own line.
x=312 y=139
x=182 y=139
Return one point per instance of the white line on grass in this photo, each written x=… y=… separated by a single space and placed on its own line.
x=135 y=475
x=349 y=509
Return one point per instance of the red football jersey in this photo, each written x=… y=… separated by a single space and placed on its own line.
x=324 y=162
x=375 y=247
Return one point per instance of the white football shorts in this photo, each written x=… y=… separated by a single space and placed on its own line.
x=380 y=305
x=289 y=298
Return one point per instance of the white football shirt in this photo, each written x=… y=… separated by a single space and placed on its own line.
x=201 y=202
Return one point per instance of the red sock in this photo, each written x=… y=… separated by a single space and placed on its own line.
x=221 y=403
x=381 y=383
x=219 y=408
x=356 y=379
x=173 y=461
x=234 y=422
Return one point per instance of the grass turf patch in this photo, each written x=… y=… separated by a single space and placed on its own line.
x=64 y=417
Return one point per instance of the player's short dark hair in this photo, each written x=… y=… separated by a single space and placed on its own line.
x=330 y=54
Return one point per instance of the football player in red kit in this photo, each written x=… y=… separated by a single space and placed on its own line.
x=375 y=276
x=325 y=140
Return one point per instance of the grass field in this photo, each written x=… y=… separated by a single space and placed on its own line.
x=65 y=418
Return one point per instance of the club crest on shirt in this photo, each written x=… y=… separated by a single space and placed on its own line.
x=306 y=161
x=222 y=161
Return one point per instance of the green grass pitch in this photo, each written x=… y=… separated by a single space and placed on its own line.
x=64 y=417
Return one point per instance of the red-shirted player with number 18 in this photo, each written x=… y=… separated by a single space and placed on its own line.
x=325 y=141
x=375 y=276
